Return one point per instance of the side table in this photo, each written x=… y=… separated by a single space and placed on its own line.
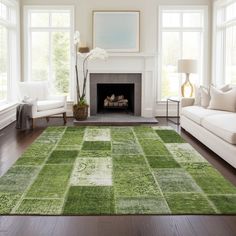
x=173 y=100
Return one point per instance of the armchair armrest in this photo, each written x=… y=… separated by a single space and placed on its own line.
x=62 y=98
x=186 y=102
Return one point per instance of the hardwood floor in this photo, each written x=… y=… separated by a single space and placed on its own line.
x=12 y=145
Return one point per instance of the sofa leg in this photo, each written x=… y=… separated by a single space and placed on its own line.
x=64 y=118
x=47 y=118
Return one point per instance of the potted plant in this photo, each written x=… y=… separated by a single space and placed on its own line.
x=80 y=109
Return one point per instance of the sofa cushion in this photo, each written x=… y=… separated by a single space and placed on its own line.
x=197 y=113
x=224 y=101
x=49 y=105
x=222 y=125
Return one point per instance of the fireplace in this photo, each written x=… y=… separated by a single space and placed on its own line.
x=112 y=92
x=115 y=98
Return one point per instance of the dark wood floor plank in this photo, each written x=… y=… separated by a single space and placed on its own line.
x=13 y=143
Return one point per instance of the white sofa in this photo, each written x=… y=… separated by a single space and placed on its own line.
x=44 y=104
x=215 y=129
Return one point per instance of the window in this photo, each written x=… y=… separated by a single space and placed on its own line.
x=49 y=46
x=224 y=57
x=8 y=49
x=182 y=35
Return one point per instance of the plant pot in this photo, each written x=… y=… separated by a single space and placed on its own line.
x=80 y=112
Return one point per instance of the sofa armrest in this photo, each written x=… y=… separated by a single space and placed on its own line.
x=186 y=102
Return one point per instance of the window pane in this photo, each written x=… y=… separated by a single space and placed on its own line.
x=40 y=19
x=170 y=56
x=3 y=63
x=60 y=20
x=231 y=11
x=40 y=55
x=192 y=20
x=171 y=19
x=3 y=11
x=191 y=45
x=61 y=62
x=192 y=50
x=231 y=55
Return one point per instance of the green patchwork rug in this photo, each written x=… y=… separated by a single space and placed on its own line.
x=113 y=171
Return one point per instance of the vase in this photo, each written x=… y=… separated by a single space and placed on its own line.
x=80 y=112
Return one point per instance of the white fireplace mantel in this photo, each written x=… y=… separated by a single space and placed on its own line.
x=143 y=63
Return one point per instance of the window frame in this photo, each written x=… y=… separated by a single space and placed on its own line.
x=204 y=30
x=13 y=49
x=220 y=72
x=27 y=39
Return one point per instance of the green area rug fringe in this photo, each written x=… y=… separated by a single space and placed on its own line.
x=113 y=171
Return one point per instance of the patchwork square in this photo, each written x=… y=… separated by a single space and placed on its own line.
x=51 y=182
x=153 y=147
x=225 y=204
x=122 y=134
x=184 y=153
x=92 y=172
x=162 y=162
x=96 y=145
x=94 y=200
x=17 y=179
x=146 y=205
x=134 y=182
x=71 y=139
x=97 y=135
x=189 y=203
x=144 y=132
x=209 y=179
x=175 y=180
x=126 y=161
x=62 y=157
x=120 y=148
x=40 y=207
x=35 y=155
x=94 y=153
x=8 y=202
x=170 y=136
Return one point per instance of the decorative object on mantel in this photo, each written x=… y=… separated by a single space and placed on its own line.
x=84 y=49
x=188 y=67
x=117 y=31
x=80 y=109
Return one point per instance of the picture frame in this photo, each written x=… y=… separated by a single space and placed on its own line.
x=117 y=31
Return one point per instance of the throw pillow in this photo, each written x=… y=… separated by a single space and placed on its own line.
x=225 y=101
x=197 y=101
x=205 y=96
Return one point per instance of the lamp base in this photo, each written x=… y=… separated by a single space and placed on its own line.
x=187 y=88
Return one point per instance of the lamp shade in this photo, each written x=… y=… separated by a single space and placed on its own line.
x=187 y=66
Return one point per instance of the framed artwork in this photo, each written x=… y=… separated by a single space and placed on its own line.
x=117 y=31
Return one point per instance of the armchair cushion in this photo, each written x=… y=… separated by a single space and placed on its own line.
x=49 y=105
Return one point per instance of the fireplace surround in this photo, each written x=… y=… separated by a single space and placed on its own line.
x=107 y=84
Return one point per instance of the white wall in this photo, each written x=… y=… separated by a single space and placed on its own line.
x=149 y=24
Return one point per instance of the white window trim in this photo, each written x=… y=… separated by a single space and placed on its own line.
x=205 y=48
x=13 y=60
x=218 y=5
x=27 y=66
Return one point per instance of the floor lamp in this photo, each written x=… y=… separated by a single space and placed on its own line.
x=188 y=67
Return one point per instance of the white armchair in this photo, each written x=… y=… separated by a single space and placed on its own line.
x=44 y=104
